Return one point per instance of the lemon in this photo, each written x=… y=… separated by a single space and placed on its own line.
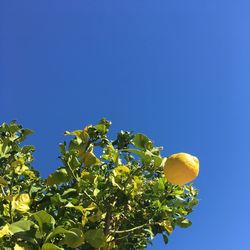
x=181 y=168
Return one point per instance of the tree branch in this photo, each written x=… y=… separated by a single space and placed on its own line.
x=107 y=221
x=131 y=229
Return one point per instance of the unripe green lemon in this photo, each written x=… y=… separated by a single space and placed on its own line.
x=181 y=168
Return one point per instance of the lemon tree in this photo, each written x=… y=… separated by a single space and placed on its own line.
x=107 y=194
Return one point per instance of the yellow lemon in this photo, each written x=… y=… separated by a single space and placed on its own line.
x=181 y=168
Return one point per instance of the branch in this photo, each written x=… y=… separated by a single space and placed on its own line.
x=90 y=197
x=131 y=229
x=3 y=191
x=107 y=222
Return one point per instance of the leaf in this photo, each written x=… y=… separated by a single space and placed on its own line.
x=135 y=151
x=90 y=159
x=69 y=190
x=79 y=208
x=73 y=238
x=142 y=141
x=5 y=230
x=28 y=149
x=57 y=200
x=45 y=221
x=3 y=181
x=21 y=202
x=20 y=226
x=59 y=176
x=96 y=217
x=103 y=126
x=95 y=237
x=25 y=133
x=4 y=150
x=121 y=170
x=159 y=185
x=73 y=163
x=96 y=191
x=92 y=206
x=87 y=176
x=111 y=154
x=146 y=156
x=167 y=225
x=165 y=238
x=184 y=223
x=18 y=247
x=56 y=231
x=50 y=246
x=80 y=135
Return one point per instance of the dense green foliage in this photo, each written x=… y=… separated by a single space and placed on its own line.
x=107 y=194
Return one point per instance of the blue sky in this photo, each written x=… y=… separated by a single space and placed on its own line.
x=177 y=71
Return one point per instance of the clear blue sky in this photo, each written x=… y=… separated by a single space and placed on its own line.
x=178 y=71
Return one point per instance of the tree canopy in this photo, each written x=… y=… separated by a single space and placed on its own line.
x=107 y=194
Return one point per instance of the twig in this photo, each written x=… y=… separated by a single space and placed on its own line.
x=131 y=229
x=3 y=191
x=107 y=222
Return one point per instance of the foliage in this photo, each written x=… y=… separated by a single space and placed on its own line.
x=119 y=199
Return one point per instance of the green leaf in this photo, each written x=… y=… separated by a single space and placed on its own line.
x=3 y=181
x=142 y=141
x=57 y=230
x=24 y=229
x=45 y=221
x=111 y=154
x=20 y=226
x=95 y=237
x=73 y=238
x=57 y=200
x=165 y=238
x=25 y=133
x=59 y=176
x=50 y=246
x=89 y=159
x=184 y=223
x=103 y=126
x=73 y=162
x=79 y=208
x=28 y=149
x=159 y=185
x=146 y=156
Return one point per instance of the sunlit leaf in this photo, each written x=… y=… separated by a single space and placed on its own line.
x=21 y=202
x=50 y=246
x=20 y=226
